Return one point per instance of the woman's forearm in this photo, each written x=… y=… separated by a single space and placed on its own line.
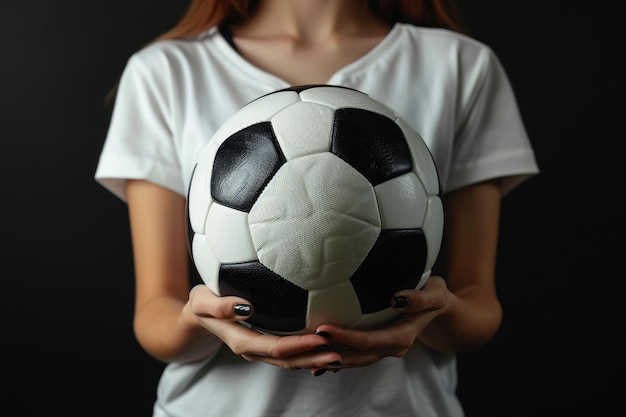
x=471 y=320
x=168 y=330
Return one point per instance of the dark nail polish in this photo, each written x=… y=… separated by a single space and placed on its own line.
x=334 y=364
x=319 y=372
x=400 y=302
x=324 y=334
x=322 y=347
x=243 y=310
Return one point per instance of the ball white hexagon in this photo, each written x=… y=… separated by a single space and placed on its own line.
x=402 y=202
x=228 y=235
x=200 y=193
x=338 y=98
x=303 y=129
x=206 y=263
x=432 y=228
x=337 y=304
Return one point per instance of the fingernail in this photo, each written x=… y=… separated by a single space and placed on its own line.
x=335 y=364
x=324 y=334
x=243 y=310
x=400 y=302
x=319 y=372
x=322 y=347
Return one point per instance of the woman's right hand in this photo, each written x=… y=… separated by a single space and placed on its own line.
x=220 y=316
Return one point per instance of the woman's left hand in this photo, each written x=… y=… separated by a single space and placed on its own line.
x=359 y=348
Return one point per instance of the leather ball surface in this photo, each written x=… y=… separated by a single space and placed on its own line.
x=316 y=204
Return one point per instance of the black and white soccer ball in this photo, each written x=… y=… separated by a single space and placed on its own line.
x=316 y=204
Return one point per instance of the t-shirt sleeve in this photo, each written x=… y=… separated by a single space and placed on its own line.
x=139 y=143
x=491 y=141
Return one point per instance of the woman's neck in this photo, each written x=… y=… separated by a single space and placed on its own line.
x=311 y=22
x=307 y=41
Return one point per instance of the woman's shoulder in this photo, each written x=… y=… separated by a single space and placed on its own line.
x=446 y=47
x=440 y=37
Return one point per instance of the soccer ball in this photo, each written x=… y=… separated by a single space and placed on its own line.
x=316 y=204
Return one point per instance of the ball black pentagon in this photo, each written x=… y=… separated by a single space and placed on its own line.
x=244 y=164
x=396 y=262
x=278 y=304
x=372 y=143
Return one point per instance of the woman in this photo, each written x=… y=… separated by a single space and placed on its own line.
x=176 y=92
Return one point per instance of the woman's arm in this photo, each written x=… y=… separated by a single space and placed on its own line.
x=157 y=223
x=473 y=313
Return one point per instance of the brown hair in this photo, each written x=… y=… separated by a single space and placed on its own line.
x=203 y=14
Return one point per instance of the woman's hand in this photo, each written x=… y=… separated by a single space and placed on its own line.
x=360 y=348
x=220 y=316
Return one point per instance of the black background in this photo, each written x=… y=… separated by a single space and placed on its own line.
x=66 y=268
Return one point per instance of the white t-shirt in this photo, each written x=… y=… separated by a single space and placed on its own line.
x=172 y=97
